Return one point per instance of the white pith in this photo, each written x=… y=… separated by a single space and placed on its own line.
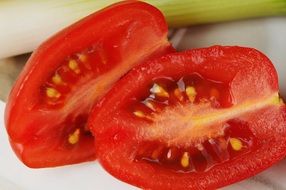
x=191 y=124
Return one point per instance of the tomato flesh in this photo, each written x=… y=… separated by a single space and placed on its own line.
x=48 y=107
x=200 y=119
x=202 y=156
x=219 y=144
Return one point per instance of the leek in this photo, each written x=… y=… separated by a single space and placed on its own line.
x=25 y=24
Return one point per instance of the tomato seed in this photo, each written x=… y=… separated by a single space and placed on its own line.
x=191 y=93
x=159 y=91
x=169 y=92
x=185 y=160
x=141 y=114
x=67 y=75
x=172 y=153
x=216 y=148
x=178 y=94
x=57 y=79
x=150 y=105
x=74 y=137
x=202 y=156
x=73 y=65
x=236 y=144
x=52 y=93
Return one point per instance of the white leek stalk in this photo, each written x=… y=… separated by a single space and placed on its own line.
x=24 y=24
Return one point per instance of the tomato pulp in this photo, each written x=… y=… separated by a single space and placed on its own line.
x=199 y=119
x=48 y=107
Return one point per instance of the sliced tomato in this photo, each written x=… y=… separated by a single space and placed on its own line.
x=199 y=119
x=48 y=107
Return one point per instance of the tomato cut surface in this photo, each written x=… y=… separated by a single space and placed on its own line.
x=48 y=107
x=200 y=119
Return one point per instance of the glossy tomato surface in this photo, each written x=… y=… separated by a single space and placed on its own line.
x=199 y=119
x=48 y=107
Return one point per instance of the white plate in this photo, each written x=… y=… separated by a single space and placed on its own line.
x=267 y=35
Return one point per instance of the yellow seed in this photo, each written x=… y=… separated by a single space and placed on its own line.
x=139 y=114
x=185 y=160
x=150 y=105
x=236 y=144
x=74 y=137
x=178 y=94
x=82 y=57
x=191 y=93
x=73 y=65
x=52 y=93
x=57 y=79
x=159 y=91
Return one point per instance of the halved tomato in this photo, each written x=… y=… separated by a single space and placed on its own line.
x=199 y=119
x=48 y=107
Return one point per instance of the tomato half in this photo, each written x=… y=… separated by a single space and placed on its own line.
x=199 y=119
x=48 y=107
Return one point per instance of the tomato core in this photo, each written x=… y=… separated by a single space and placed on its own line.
x=235 y=140
x=220 y=143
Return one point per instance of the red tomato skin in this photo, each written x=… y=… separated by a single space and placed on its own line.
x=116 y=141
x=44 y=60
